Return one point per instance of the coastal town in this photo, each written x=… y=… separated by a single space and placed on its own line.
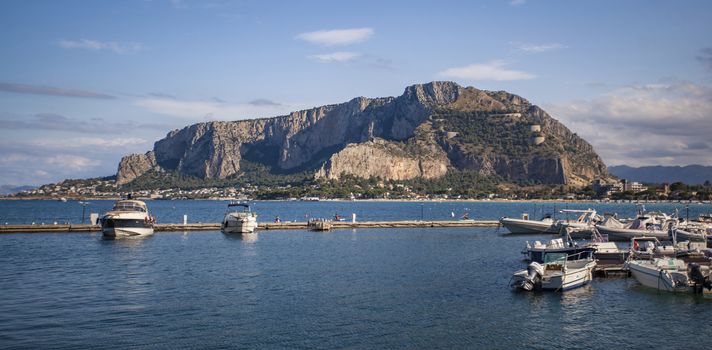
x=618 y=190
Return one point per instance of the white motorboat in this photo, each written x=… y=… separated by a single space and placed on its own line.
x=526 y=226
x=558 y=271
x=583 y=226
x=648 y=225
x=128 y=218
x=243 y=221
x=672 y=275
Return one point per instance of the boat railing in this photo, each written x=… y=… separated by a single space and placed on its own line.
x=563 y=261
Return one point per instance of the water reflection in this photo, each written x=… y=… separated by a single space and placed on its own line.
x=135 y=241
x=245 y=237
x=124 y=289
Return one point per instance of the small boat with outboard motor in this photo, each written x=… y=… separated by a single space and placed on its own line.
x=558 y=271
x=672 y=275
x=128 y=218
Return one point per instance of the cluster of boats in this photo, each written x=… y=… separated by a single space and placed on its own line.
x=663 y=252
x=130 y=218
x=645 y=224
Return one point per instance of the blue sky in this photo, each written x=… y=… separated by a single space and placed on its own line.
x=84 y=82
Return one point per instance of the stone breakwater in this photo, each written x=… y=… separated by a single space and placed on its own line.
x=262 y=226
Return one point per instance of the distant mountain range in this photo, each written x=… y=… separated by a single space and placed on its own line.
x=10 y=189
x=690 y=174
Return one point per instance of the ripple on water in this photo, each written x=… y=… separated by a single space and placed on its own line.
x=374 y=288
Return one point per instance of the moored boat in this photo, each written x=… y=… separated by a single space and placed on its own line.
x=526 y=226
x=239 y=221
x=691 y=234
x=583 y=226
x=649 y=225
x=672 y=275
x=128 y=218
x=558 y=272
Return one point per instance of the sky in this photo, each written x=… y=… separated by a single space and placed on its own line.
x=83 y=83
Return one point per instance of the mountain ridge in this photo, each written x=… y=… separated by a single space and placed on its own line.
x=427 y=130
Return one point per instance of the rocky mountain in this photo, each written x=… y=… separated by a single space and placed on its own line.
x=689 y=174
x=425 y=132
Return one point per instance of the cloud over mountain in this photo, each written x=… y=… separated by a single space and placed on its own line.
x=493 y=70
x=645 y=124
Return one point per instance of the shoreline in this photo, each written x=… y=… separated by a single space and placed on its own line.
x=499 y=200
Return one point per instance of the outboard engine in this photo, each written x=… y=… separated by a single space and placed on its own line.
x=700 y=280
x=534 y=272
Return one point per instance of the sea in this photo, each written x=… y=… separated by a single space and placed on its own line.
x=415 y=288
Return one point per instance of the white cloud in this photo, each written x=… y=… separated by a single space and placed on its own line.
x=212 y=110
x=95 y=45
x=494 y=70
x=337 y=36
x=41 y=173
x=38 y=161
x=666 y=124
x=538 y=48
x=74 y=162
x=341 y=56
x=517 y=2
x=79 y=142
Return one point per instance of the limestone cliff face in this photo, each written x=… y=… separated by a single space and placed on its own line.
x=393 y=138
x=380 y=158
x=134 y=165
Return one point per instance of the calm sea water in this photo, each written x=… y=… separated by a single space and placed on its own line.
x=366 y=288
x=48 y=212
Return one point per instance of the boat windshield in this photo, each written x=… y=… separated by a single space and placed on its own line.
x=123 y=206
x=554 y=257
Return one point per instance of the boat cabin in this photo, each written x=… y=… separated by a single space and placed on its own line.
x=130 y=205
x=245 y=207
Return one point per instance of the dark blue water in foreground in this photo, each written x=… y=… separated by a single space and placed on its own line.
x=366 y=288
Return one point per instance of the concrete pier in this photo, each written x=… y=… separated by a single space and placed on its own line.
x=262 y=226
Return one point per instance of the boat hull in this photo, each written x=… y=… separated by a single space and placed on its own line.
x=572 y=278
x=518 y=226
x=239 y=226
x=121 y=228
x=683 y=235
x=651 y=277
x=625 y=234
